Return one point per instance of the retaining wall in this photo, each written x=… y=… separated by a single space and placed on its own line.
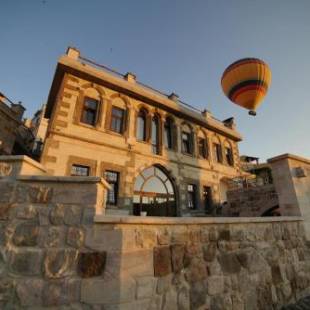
x=55 y=252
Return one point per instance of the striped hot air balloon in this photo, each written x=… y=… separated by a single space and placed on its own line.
x=245 y=82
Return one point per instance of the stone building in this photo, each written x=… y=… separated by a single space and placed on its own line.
x=262 y=171
x=38 y=127
x=158 y=154
x=11 y=115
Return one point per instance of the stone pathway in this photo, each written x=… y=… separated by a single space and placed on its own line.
x=302 y=304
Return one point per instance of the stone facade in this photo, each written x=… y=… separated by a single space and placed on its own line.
x=10 y=119
x=71 y=142
x=55 y=254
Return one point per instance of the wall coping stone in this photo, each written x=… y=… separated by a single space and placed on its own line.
x=289 y=156
x=63 y=179
x=22 y=158
x=149 y=220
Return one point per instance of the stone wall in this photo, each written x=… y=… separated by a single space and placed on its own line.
x=55 y=253
x=252 y=201
x=291 y=176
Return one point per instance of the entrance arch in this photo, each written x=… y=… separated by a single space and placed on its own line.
x=154 y=193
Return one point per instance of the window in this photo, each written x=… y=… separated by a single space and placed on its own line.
x=191 y=195
x=202 y=148
x=168 y=134
x=117 y=120
x=89 y=111
x=229 y=156
x=79 y=170
x=218 y=153
x=207 y=198
x=112 y=178
x=186 y=142
x=155 y=135
x=141 y=126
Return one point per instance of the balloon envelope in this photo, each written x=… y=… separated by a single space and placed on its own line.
x=246 y=81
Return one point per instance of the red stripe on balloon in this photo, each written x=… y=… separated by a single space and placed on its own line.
x=247 y=88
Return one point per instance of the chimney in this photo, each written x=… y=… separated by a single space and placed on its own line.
x=18 y=109
x=230 y=123
x=73 y=52
x=206 y=114
x=130 y=77
x=174 y=97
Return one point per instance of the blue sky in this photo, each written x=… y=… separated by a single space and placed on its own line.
x=180 y=46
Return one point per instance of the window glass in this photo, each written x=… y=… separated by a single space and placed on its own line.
x=191 y=194
x=202 y=147
x=148 y=172
x=79 y=170
x=160 y=174
x=186 y=142
x=229 y=156
x=117 y=119
x=138 y=183
x=154 y=185
x=168 y=134
x=155 y=135
x=218 y=152
x=89 y=111
x=141 y=126
x=112 y=177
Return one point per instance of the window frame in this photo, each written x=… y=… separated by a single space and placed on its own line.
x=218 y=152
x=88 y=109
x=204 y=145
x=115 y=185
x=141 y=115
x=168 y=134
x=189 y=142
x=155 y=145
x=117 y=118
x=229 y=157
x=191 y=196
x=80 y=166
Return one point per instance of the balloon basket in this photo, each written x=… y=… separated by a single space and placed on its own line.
x=253 y=113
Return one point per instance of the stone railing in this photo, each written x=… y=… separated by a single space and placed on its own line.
x=55 y=252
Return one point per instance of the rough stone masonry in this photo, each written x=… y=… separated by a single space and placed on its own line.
x=56 y=253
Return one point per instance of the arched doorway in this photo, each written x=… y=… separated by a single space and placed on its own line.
x=154 y=193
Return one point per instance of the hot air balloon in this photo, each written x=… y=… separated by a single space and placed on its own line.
x=245 y=82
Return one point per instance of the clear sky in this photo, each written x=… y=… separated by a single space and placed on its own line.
x=181 y=46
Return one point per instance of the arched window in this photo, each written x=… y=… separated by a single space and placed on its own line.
x=141 y=125
x=202 y=145
x=229 y=157
x=168 y=133
x=89 y=107
x=155 y=135
x=217 y=151
x=154 y=193
x=187 y=140
x=89 y=111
